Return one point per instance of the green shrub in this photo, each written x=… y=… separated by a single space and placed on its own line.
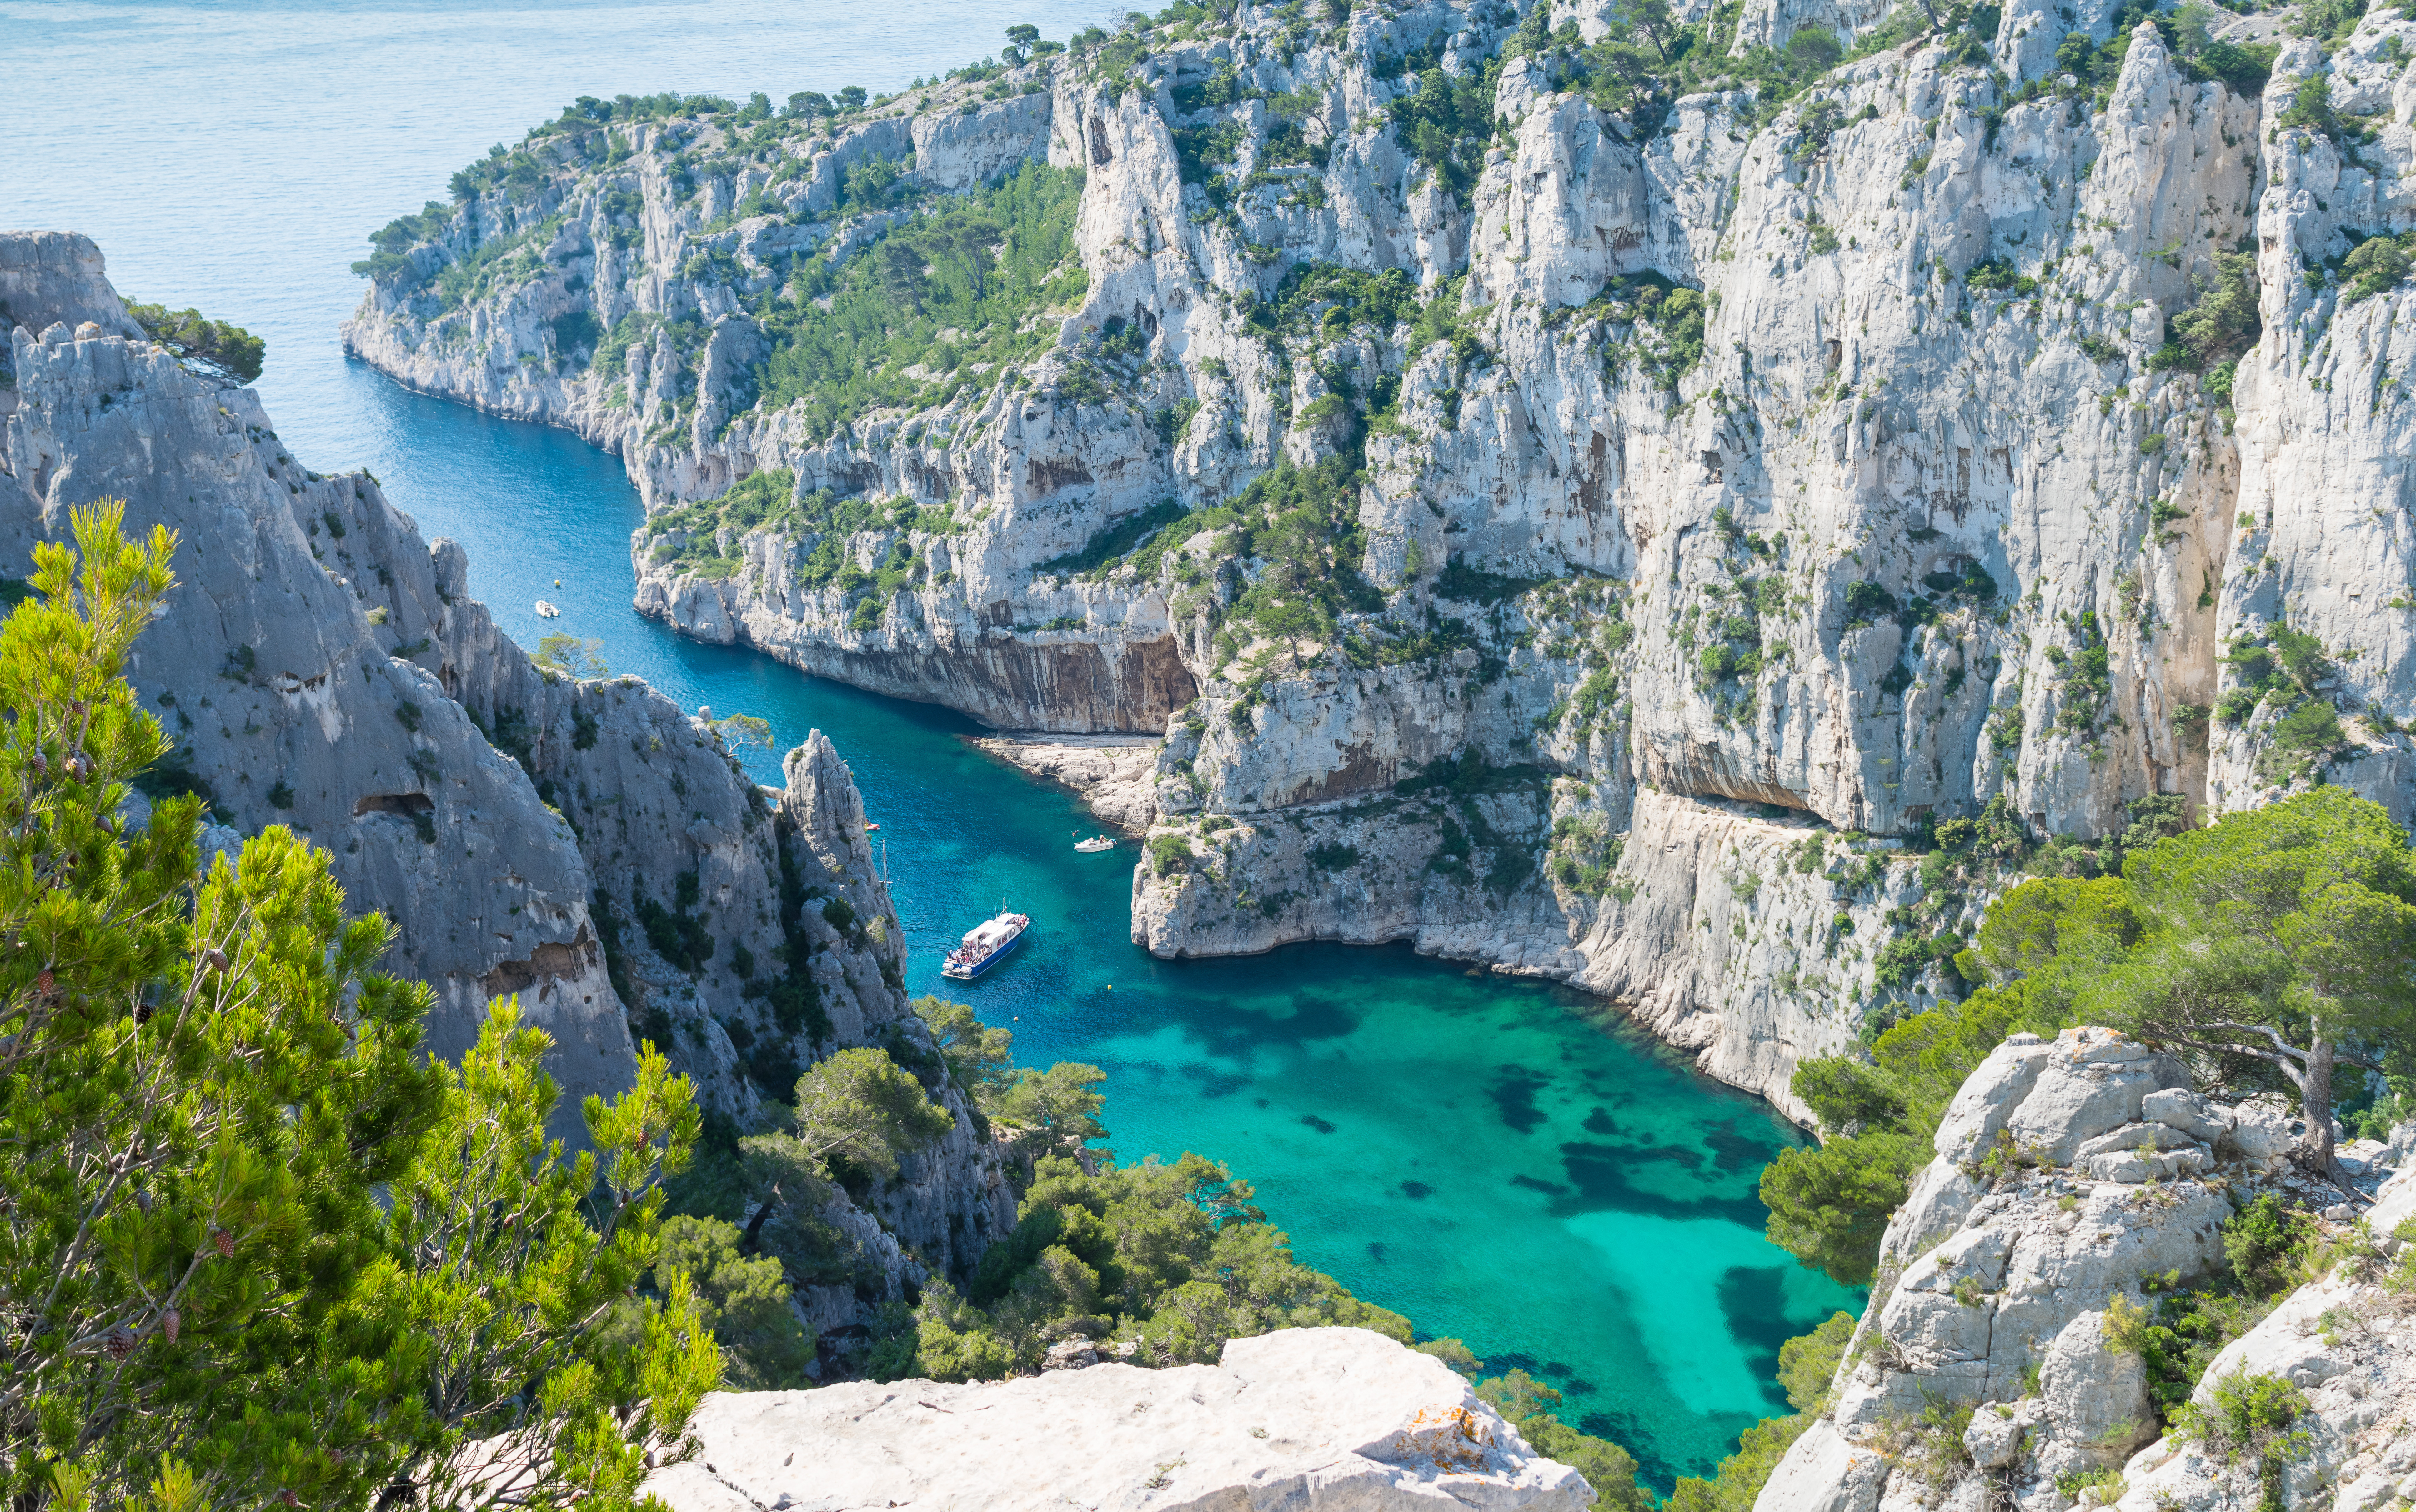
x=2222 y=324
x=988 y=265
x=2250 y=1417
x=256 y=1255
x=1171 y=1255
x=2375 y=265
x=1170 y=852
x=1998 y=275
x=214 y=349
x=1867 y=603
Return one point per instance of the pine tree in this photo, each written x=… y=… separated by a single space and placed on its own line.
x=203 y=1090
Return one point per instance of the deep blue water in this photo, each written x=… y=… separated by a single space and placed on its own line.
x=1502 y=1162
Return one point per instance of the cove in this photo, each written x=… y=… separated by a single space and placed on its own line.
x=1503 y=1161
x=1506 y=1162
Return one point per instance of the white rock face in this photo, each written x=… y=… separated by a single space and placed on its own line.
x=1895 y=523
x=2001 y=1273
x=1334 y=1419
x=320 y=665
x=2347 y=1344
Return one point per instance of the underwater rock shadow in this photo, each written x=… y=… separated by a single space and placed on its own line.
x=1600 y=1173
x=1753 y=1301
x=1514 y=1097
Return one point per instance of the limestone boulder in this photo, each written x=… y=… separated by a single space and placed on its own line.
x=2185 y=1111
x=2094 y=1082
x=2262 y=1130
x=1989 y=1097
x=1995 y=1435
x=2095 y=1408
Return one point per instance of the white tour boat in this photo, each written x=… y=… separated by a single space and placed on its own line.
x=984 y=947
x=1097 y=842
x=546 y=610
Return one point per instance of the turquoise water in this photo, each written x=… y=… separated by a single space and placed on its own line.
x=1502 y=1162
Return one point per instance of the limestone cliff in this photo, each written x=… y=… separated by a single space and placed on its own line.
x=2074 y=1181
x=1525 y=501
x=582 y=844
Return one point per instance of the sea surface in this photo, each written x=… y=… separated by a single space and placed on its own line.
x=1504 y=1162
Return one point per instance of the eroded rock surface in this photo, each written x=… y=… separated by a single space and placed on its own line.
x=583 y=845
x=1116 y=775
x=2076 y=1179
x=1337 y=1418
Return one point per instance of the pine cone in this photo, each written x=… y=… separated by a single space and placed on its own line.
x=289 y=1498
x=215 y=959
x=120 y=1343
x=225 y=1242
x=172 y=1323
x=42 y=767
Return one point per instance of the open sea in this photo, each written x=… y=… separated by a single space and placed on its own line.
x=1504 y=1162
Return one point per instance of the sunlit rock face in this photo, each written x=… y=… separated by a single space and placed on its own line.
x=2076 y=1179
x=1327 y=1418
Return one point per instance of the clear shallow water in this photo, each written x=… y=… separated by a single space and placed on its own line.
x=1497 y=1160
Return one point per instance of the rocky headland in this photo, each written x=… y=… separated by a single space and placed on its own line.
x=583 y=845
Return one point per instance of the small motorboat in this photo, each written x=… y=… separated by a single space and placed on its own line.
x=987 y=945
x=869 y=828
x=546 y=610
x=1097 y=842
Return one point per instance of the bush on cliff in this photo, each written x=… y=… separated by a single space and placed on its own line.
x=744 y=1299
x=262 y=1248
x=1173 y=1257
x=214 y=349
x=1528 y=1403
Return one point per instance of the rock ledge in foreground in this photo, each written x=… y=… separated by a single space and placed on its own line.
x=1338 y=1418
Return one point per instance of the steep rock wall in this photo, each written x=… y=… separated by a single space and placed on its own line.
x=1804 y=456
x=320 y=665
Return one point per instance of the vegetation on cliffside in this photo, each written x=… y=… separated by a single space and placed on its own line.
x=262 y=1248
x=947 y=298
x=2269 y=950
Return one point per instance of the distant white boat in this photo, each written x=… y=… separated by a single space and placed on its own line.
x=1097 y=842
x=546 y=610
